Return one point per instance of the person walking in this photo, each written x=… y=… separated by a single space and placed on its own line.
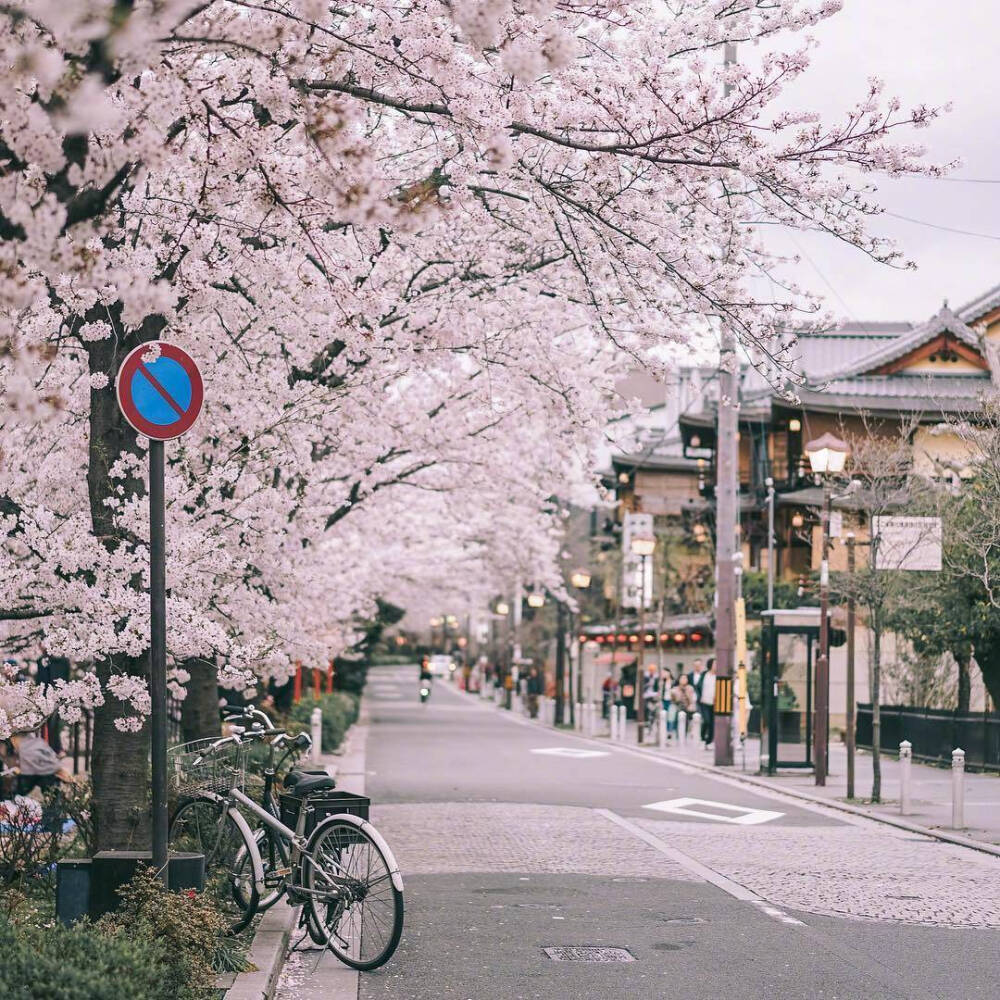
x=669 y=711
x=706 y=704
x=534 y=687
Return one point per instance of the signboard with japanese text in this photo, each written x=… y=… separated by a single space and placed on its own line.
x=907 y=543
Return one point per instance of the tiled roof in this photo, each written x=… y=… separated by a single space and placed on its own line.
x=938 y=393
x=944 y=321
x=981 y=305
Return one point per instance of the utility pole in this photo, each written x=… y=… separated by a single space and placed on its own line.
x=849 y=735
x=560 y=663
x=726 y=500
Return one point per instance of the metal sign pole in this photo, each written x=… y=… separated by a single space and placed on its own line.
x=158 y=655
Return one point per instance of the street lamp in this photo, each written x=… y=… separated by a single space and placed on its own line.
x=580 y=579
x=503 y=608
x=827 y=456
x=536 y=600
x=643 y=546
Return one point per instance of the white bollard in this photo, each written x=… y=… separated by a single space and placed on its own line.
x=622 y=723
x=682 y=727
x=905 y=766
x=661 y=733
x=696 y=727
x=613 y=719
x=958 y=789
x=578 y=717
x=316 y=732
x=591 y=719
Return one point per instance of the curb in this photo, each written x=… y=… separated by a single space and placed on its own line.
x=267 y=955
x=709 y=770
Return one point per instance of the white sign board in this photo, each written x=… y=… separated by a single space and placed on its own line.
x=836 y=524
x=636 y=586
x=907 y=542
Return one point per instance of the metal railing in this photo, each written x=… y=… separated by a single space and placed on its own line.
x=934 y=734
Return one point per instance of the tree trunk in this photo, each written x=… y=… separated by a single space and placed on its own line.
x=120 y=769
x=876 y=708
x=964 y=682
x=200 y=709
x=988 y=659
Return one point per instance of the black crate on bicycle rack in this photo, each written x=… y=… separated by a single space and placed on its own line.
x=323 y=804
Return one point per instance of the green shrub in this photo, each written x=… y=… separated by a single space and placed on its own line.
x=185 y=923
x=80 y=963
x=339 y=709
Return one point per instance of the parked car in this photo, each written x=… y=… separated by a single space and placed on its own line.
x=441 y=665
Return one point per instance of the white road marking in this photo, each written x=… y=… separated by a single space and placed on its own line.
x=576 y=752
x=734 y=889
x=741 y=815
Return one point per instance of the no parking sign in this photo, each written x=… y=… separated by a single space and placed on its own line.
x=160 y=394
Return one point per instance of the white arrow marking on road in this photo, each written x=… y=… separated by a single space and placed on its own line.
x=570 y=752
x=741 y=815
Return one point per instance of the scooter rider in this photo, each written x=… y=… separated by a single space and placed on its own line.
x=425 y=678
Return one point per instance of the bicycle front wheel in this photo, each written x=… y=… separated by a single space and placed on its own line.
x=207 y=826
x=354 y=907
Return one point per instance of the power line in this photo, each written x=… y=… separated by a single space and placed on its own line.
x=944 y=229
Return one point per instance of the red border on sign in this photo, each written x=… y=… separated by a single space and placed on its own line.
x=123 y=390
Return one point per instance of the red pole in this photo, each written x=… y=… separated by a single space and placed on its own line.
x=316 y=675
x=297 y=686
x=329 y=677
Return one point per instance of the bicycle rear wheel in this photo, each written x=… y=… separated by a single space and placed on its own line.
x=354 y=907
x=207 y=826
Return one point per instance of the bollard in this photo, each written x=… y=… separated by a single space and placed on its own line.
x=905 y=770
x=591 y=719
x=613 y=719
x=958 y=789
x=578 y=718
x=661 y=733
x=695 y=731
x=622 y=723
x=316 y=731
x=682 y=727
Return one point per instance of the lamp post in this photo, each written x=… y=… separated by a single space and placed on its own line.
x=644 y=547
x=769 y=483
x=580 y=580
x=827 y=456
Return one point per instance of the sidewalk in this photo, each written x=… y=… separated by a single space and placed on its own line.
x=930 y=793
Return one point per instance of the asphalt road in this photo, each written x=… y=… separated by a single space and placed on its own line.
x=507 y=851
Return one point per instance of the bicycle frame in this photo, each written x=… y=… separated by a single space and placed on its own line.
x=299 y=842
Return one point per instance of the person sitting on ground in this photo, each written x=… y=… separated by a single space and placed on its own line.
x=38 y=765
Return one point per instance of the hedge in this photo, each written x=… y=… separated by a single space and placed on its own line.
x=339 y=709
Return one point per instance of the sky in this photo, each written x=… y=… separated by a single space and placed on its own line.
x=932 y=52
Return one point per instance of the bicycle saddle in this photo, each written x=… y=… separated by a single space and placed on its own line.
x=303 y=784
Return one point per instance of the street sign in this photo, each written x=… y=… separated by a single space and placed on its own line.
x=160 y=390
x=160 y=393
x=911 y=543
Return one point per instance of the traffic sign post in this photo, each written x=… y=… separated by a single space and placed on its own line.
x=160 y=393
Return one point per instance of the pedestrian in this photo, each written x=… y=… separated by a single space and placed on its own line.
x=669 y=710
x=534 y=687
x=606 y=696
x=695 y=677
x=683 y=696
x=706 y=703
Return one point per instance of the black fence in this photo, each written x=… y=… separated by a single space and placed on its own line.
x=934 y=733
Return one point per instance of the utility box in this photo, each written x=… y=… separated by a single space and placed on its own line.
x=88 y=887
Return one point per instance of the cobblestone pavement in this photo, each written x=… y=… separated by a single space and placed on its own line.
x=431 y=838
x=864 y=872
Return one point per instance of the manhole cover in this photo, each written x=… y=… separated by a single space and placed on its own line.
x=588 y=953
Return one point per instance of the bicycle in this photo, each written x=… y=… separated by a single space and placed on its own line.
x=339 y=867
x=195 y=813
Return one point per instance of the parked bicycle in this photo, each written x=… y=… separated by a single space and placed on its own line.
x=334 y=864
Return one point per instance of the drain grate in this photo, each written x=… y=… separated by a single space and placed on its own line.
x=589 y=953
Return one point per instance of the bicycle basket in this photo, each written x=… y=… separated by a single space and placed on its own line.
x=202 y=766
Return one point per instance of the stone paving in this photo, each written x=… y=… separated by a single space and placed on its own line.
x=509 y=837
x=863 y=872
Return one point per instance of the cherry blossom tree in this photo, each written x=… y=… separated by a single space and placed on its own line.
x=411 y=246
